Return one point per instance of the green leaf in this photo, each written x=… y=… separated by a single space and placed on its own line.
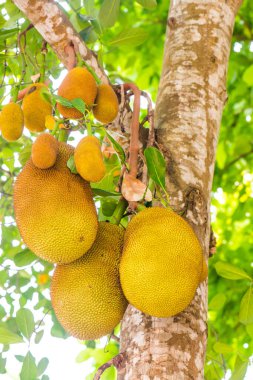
x=248 y=76
x=2 y=312
x=39 y=336
x=108 y=13
x=29 y=369
x=7 y=33
x=239 y=370
x=104 y=193
x=156 y=166
x=24 y=258
x=20 y=358
x=42 y=366
x=222 y=348
x=3 y=277
x=79 y=105
x=130 y=37
x=8 y=337
x=246 y=308
x=217 y=302
x=150 y=4
x=45 y=377
x=118 y=148
x=2 y=365
x=71 y=164
x=109 y=206
x=231 y=272
x=25 y=322
x=63 y=101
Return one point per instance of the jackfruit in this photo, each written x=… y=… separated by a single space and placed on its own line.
x=86 y=294
x=89 y=160
x=36 y=108
x=11 y=122
x=44 y=151
x=204 y=273
x=54 y=210
x=78 y=83
x=161 y=262
x=106 y=104
x=50 y=123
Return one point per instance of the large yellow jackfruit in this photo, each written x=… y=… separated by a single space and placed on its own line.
x=86 y=294
x=89 y=160
x=106 y=104
x=36 y=108
x=161 y=263
x=78 y=83
x=44 y=151
x=54 y=209
x=11 y=122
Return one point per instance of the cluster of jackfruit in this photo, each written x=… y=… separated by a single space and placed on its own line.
x=32 y=114
x=57 y=219
x=36 y=111
x=80 y=83
x=156 y=264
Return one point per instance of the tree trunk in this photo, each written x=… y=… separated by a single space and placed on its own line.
x=190 y=101
x=189 y=106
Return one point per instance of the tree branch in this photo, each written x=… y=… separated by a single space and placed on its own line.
x=54 y=26
x=118 y=362
x=243 y=155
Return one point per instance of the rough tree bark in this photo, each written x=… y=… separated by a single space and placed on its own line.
x=191 y=98
x=189 y=106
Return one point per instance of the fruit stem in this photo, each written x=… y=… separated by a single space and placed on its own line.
x=89 y=129
x=119 y=211
x=134 y=139
x=97 y=79
x=63 y=135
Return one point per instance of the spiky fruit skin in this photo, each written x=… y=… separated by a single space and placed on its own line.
x=78 y=83
x=11 y=122
x=204 y=273
x=54 y=210
x=106 y=104
x=89 y=160
x=36 y=108
x=44 y=151
x=161 y=263
x=86 y=294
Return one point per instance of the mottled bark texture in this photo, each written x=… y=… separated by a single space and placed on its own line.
x=55 y=27
x=191 y=97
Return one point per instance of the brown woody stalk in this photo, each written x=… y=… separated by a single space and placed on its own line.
x=134 y=139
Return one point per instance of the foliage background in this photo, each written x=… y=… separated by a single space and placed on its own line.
x=129 y=43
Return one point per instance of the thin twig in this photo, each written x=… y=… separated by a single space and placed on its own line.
x=243 y=155
x=118 y=362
